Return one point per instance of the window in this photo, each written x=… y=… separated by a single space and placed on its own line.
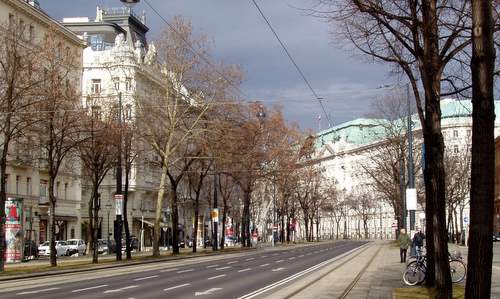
x=65 y=191
x=11 y=20
x=58 y=185
x=116 y=83
x=6 y=183
x=455 y=149
x=455 y=133
x=128 y=111
x=469 y=133
x=43 y=188
x=28 y=186
x=96 y=86
x=18 y=184
x=96 y=112
x=32 y=33
x=128 y=84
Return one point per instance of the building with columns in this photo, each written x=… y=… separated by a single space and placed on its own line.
x=346 y=150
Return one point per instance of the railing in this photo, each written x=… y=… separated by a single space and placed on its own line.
x=43 y=200
x=120 y=11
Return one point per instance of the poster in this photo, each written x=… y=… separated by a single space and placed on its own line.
x=13 y=230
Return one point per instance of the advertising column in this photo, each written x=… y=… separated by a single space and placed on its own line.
x=14 y=230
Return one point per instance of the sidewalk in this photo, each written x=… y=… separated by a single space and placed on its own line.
x=377 y=280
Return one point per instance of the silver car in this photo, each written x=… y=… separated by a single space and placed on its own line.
x=76 y=246
x=61 y=248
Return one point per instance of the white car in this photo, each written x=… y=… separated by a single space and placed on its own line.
x=61 y=248
x=76 y=246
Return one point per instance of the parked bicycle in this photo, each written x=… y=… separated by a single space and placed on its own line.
x=416 y=270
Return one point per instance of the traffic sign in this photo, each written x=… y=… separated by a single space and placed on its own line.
x=466 y=220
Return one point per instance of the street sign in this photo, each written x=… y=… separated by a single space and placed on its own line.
x=118 y=204
x=411 y=199
x=215 y=215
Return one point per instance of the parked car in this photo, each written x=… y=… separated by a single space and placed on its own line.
x=61 y=248
x=229 y=241
x=134 y=243
x=103 y=246
x=30 y=249
x=76 y=246
x=496 y=237
x=181 y=244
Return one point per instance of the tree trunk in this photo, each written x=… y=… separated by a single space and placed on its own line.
x=483 y=153
x=3 y=197
x=91 y=234
x=95 y=220
x=159 y=204
x=223 y=228
x=52 y=221
x=245 y=220
x=195 y=228
x=438 y=269
x=125 y=204
x=462 y=233
x=175 y=217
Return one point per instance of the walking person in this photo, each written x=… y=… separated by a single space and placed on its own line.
x=418 y=242
x=404 y=241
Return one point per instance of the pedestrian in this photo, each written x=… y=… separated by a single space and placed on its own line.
x=404 y=241
x=418 y=242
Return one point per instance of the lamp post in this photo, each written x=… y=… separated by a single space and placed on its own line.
x=108 y=208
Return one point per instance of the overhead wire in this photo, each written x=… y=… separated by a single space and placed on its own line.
x=293 y=62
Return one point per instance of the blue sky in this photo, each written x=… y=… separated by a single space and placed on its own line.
x=240 y=36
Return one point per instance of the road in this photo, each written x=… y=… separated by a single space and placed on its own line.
x=245 y=275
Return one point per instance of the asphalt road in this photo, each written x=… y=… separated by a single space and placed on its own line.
x=247 y=275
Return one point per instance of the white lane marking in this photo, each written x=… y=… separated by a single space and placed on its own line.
x=291 y=258
x=275 y=254
x=233 y=262
x=249 y=259
x=223 y=268
x=147 y=277
x=264 y=256
x=264 y=265
x=211 y=266
x=309 y=253
x=207 y=292
x=37 y=291
x=176 y=287
x=169 y=270
x=119 y=290
x=185 y=271
x=90 y=288
x=243 y=270
x=296 y=275
x=215 y=277
x=301 y=255
x=280 y=261
x=278 y=269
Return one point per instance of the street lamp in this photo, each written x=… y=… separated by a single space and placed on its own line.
x=108 y=208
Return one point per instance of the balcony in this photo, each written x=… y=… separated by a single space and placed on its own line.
x=43 y=200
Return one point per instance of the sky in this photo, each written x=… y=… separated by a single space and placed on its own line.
x=347 y=82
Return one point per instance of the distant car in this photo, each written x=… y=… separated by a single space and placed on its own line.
x=61 y=248
x=229 y=241
x=134 y=244
x=102 y=246
x=76 y=246
x=181 y=244
x=496 y=237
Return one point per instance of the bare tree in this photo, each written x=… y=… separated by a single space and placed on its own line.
x=58 y=128
x=19 y=80
x=483 y=149
x=97 y=153
x=420 y=39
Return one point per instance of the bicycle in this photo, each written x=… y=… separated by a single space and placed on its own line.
x=416 y=270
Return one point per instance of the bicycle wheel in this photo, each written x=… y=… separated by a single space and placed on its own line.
x=414 y=274
x=457 y=270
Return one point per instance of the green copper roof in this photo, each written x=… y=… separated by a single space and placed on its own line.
x=363 y=131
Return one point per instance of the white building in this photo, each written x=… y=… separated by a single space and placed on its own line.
x=119 y=62
x=343 y=149
x=27 y=176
